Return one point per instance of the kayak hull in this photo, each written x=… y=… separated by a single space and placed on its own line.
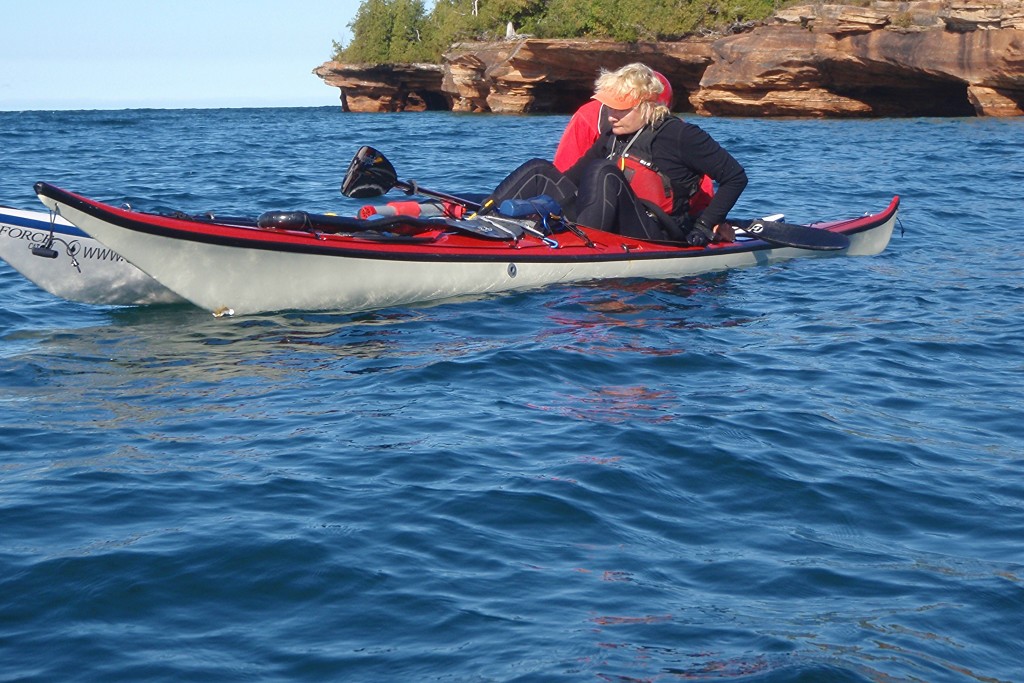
x=81 y=268
x=243 y=269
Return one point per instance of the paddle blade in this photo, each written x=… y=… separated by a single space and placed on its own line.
x=800 y=236
x=370 y=174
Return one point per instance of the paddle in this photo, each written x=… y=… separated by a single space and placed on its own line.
x=773 y=232
x=370 y=174
x=793 y=235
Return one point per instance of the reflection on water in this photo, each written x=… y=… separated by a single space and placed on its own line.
x=617 y=404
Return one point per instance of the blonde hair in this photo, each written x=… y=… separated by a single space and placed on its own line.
x=635 y=81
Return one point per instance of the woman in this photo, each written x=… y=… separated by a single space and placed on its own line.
x=639 y=176
x=589 y=122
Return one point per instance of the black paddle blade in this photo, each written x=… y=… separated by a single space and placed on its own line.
x=370 y=174
x=800 y=236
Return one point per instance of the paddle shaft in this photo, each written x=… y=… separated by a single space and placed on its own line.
x=414 y=188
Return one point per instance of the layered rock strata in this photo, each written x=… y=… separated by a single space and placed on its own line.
x=386 y=87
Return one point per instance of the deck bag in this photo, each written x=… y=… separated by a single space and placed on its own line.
x=541 y=210
x=542 y=205
x=414 y=209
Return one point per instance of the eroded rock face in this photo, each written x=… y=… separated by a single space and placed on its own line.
x=895 y=59
x=558 y=75
x=787 y=70
x=386 y=87
x=922 y=58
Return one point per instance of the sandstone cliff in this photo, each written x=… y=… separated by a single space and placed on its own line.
x=917 y=58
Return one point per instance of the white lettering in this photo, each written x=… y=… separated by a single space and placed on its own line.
x=16 y=233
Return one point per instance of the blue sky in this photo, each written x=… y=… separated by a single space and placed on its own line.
x=118 y=54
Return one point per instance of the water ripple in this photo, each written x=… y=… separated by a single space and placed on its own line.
x=802 y=472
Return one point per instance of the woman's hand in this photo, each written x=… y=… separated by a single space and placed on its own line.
x=724 y=232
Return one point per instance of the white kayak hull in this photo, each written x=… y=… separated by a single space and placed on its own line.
x=82 y=268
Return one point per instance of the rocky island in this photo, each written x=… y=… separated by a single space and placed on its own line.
x=887 y=59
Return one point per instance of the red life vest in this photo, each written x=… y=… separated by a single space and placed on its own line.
x=702 y=197
x=636 y=161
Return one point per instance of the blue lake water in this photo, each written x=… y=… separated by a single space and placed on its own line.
x=812 y=471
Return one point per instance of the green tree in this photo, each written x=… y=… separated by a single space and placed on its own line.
x=407 y=30
x=452 y=21
x=388 y=31
x=371 y=34
x=496 y=14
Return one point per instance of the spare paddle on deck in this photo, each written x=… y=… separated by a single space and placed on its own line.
x=792 y=235
x=370 y=174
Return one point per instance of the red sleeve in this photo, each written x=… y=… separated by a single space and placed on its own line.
x=578 y=136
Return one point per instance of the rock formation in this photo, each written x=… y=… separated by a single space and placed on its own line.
x=919 y=58
x=558 y=75
x=386 y=87
x=893 y=59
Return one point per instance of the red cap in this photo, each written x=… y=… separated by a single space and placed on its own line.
x=666 y=95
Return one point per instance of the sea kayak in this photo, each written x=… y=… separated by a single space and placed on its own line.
x=309 y=262
x=66 y=262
